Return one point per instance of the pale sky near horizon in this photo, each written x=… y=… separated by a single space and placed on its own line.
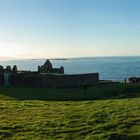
x=69 y=28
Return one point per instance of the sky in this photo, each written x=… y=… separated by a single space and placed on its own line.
x=69 y=28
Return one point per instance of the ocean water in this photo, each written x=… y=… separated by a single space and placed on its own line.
x=109 y=68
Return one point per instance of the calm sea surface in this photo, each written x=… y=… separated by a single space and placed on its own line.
x=110 y=68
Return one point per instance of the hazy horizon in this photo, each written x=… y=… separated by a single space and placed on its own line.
x=32 y=29
x=61 y=58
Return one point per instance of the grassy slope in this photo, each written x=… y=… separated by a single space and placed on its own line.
x=111 y=119
x=104 y=91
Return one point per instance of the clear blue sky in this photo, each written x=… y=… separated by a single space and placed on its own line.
x=69 y=28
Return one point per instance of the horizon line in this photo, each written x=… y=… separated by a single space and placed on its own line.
x=60 y=58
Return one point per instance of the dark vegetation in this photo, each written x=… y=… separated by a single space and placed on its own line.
x=114 y=116
x=102 y=91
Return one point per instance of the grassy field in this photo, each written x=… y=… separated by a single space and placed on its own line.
x=105 y=112
x=100 y=92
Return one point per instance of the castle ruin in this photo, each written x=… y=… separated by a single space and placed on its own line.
x=46 y=76
x=48 y=68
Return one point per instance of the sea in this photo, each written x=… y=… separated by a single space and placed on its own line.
x=109 y=68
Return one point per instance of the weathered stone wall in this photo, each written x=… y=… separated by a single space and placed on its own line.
x=52 y=80
x=134 y=79
x=76 y=80
x=25 y=80
x=1 y=79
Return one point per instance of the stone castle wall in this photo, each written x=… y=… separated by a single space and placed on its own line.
x=53 y=80
x=46 y=76
x=76 y=80
x=25 y=80
x=1 y=79
x=134 y=79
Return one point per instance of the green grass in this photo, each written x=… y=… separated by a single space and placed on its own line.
x=108 y=118
x=102 y=91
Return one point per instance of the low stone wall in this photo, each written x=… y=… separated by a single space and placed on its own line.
x=134 y=79
x=52 y=80
x=76 y=80
x=25 y=80
x=1 y=79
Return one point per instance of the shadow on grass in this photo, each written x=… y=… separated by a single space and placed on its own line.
x=101 y=92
